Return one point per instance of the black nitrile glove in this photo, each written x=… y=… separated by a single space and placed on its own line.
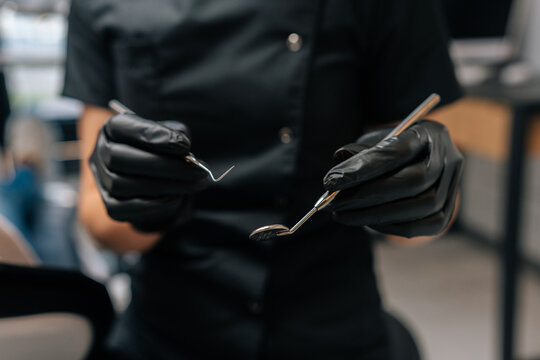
x=141 y=172
x=406 y=185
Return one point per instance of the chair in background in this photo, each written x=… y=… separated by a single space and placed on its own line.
x=47 y=313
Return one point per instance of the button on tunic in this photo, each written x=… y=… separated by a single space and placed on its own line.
x=294 y=42
x=273 y=87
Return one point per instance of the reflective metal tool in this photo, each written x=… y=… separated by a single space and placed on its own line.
x=122 y=109
x=271 y=231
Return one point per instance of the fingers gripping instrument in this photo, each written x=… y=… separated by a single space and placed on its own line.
x=122 y=109
x=271 y=231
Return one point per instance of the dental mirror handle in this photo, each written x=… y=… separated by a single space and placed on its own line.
x=323 y=201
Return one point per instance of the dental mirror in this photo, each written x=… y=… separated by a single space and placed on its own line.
x=271 y=231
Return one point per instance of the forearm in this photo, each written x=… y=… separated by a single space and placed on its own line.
x=118 y=236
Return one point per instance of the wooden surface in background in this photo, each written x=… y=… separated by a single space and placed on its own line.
x=482 y=127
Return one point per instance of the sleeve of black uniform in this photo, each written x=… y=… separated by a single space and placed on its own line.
x=409 y=59
x=88 y=73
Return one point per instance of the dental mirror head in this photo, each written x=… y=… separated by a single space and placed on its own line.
x=268 y=232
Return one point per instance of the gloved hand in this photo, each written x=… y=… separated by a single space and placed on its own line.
x=141 y=172
x=406 y=185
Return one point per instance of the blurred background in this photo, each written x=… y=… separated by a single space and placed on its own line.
x=472 y=294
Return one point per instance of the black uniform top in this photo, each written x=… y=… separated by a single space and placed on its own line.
x=274 y=87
